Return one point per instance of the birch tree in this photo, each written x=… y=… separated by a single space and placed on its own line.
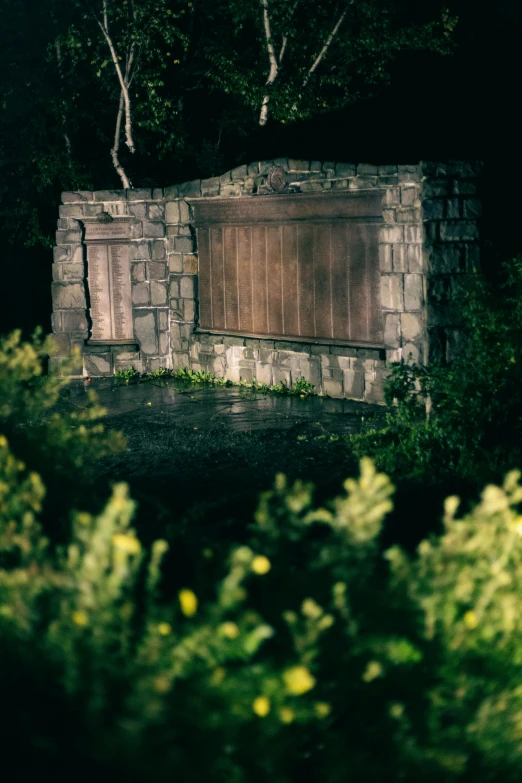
x=308 y=57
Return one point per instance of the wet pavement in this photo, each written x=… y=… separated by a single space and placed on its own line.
x=217 y=408
x=199 y=456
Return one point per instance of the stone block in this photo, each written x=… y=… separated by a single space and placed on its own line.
x=71 y=321
x=180 y=360
x=298 y=165
x=471 y=258
x=411 y=327
x=153 y=229
x=71 y=272
x=432 y=188
x=345 y=170
x=136 y=194
x=231 y=190
x=156 y=270
x=399 y=258
x=159 y=250
x=61 y=253
x=392 y=330
x=311 y=370
x=139 y=251
x=340 y=184
x=174 y=288
x=392 y=197
x=146 y=334
x=392 y=234
x=163 y=320
x=171 y=193
x=453 y=208
x=433 y=209
x=139 y=210
x=68 y=296
x=164 y=342
x=360 y=183
x=472 y=208
x=189 y=309
x=96 y=365
x=387 y=170
x=411 y=353
x=71 y=197
x=282 y=163
x=393 y=355
x=156 y=212
x=240 y=172
x=409 y=196
x=413 y=293
x=141 y=293
x=281 y=375
x=68 y=236
x=136 y=230
x=392 y=297
x=71 y=210
x=191 y=189
x=458 y=231
x=366 y=168
x=157 y=194
x=333 y=387
x=158 y=293
x=110 y=195
x=414 y=258
x=464 y=187
x=172 y=214
x=385 y=258
x=340 y=350
x=412 y=234
x=186 y=287
x=183 y=245
x=443 y=259
x=309 y=187
x=233 y=374
x=190 y=265
x=176 y=263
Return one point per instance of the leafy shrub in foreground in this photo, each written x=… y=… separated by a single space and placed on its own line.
x=473 y=430
x=311 y=655
x=61 y=446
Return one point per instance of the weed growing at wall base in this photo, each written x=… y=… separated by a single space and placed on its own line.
x=301 y=387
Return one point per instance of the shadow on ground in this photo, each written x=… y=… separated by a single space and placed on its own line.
x=198 y=457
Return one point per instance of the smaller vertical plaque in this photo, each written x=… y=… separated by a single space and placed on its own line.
x=109 y=283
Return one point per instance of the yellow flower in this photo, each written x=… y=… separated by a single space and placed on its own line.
x=162 y=684
x=230 y=630
x=218 y=675
x=298 y=680
x=322 y=709
x=260 y=564
x=286 y=715
x=311 y=609
x=126 y=543
x=372 y=671
x=164 y=629
x=470 y=620
x=188 y=602
x=80 y=618
x=261 y=706
x=396 y=710
x=3 y=442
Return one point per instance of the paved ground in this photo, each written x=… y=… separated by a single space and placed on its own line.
x=198 y=457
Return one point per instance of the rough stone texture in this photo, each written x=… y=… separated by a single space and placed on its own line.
x=428 y=240
x=146 y=334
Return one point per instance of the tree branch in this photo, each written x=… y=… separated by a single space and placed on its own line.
x=285 y=37
x=114 y=151
x=104 y=27
x=274 y=68
x=326 y=46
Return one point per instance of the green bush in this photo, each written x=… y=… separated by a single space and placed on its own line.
x=61 y=446
x=311 y=654
x=473 y=430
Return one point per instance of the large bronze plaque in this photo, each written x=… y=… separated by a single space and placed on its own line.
x=296 y=266
x=109 y=283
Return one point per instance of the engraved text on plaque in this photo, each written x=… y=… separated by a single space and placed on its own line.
x=109 y=284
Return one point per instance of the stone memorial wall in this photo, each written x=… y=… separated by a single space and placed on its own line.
x=125 y=273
